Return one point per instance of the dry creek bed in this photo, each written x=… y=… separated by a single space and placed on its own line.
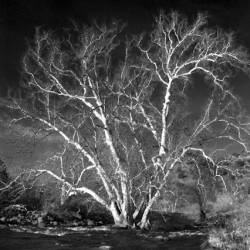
x=102 y=237
x=24 y=230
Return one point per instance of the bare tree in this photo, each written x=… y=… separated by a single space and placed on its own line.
x=119 y=143
x=175 y=52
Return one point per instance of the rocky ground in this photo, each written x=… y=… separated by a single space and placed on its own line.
x=22 y=229
x=18 y=214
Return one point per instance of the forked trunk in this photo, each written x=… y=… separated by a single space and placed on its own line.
x=144 y=223
x=202 y=215
x=122 y=217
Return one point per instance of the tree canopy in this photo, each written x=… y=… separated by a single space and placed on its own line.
x=120 y=137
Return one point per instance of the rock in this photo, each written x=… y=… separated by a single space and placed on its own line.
x=55 y=223
x=14 y=219
x=37 y=216
x=43 y=214
x=160 y=237
x=105 y=247
x=90 y=223
x=75 y=224
x=144 y=230
x=173 y=235
x=3 y=219
x=39 y=220
x=80 y=223
x=34 y=222
x=215 y=241
x=41 y=225
x=120 y=225
x=78 y=216
x=50 y=218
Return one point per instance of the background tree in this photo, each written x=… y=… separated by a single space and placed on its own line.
x=198 y=183
x=4 y=175
x=120 y=137
x=234 y=169
x=4 y=179
x=10 y=188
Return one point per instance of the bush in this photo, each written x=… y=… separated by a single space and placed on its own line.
x=31 y=199
x=224 y=202
x=6 y=194
x=87 y=207
x=241 y=221
x=191 y=211
x=231 y=223
x=47 y=198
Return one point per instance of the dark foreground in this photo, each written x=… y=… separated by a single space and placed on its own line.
x=109 y=238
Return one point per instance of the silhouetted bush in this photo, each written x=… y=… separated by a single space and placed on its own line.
x=31 y=198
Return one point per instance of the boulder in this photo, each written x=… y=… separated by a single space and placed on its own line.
x=75 y=224
x=50 y=218
x=215 y=241
x=105 y=247
x=43 y=214
x=162 y=238
x=36 y=215
x=39 y=220
x=14 y=220
x=34 y=222
x=41 y=225
x=90 y=222
x=159 y=237
x=21 y=216
x=120 y=225
x=3 y=219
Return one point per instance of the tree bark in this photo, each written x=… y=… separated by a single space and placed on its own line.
x=121 y=214
x=202 y=215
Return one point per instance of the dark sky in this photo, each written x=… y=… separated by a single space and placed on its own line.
x=18 y=19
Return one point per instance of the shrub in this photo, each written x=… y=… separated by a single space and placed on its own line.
x=191 y=211
x=31 y=198
x=87 y=207
x=224 y=202
x=6 y=194
x=231 y=223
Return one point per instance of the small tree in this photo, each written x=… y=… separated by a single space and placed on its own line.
x=4 y=175
x=120 y=143
x=235 y=171
x=10 y=188
x=4 y=180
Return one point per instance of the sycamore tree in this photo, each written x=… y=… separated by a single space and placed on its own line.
x=122 y=122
